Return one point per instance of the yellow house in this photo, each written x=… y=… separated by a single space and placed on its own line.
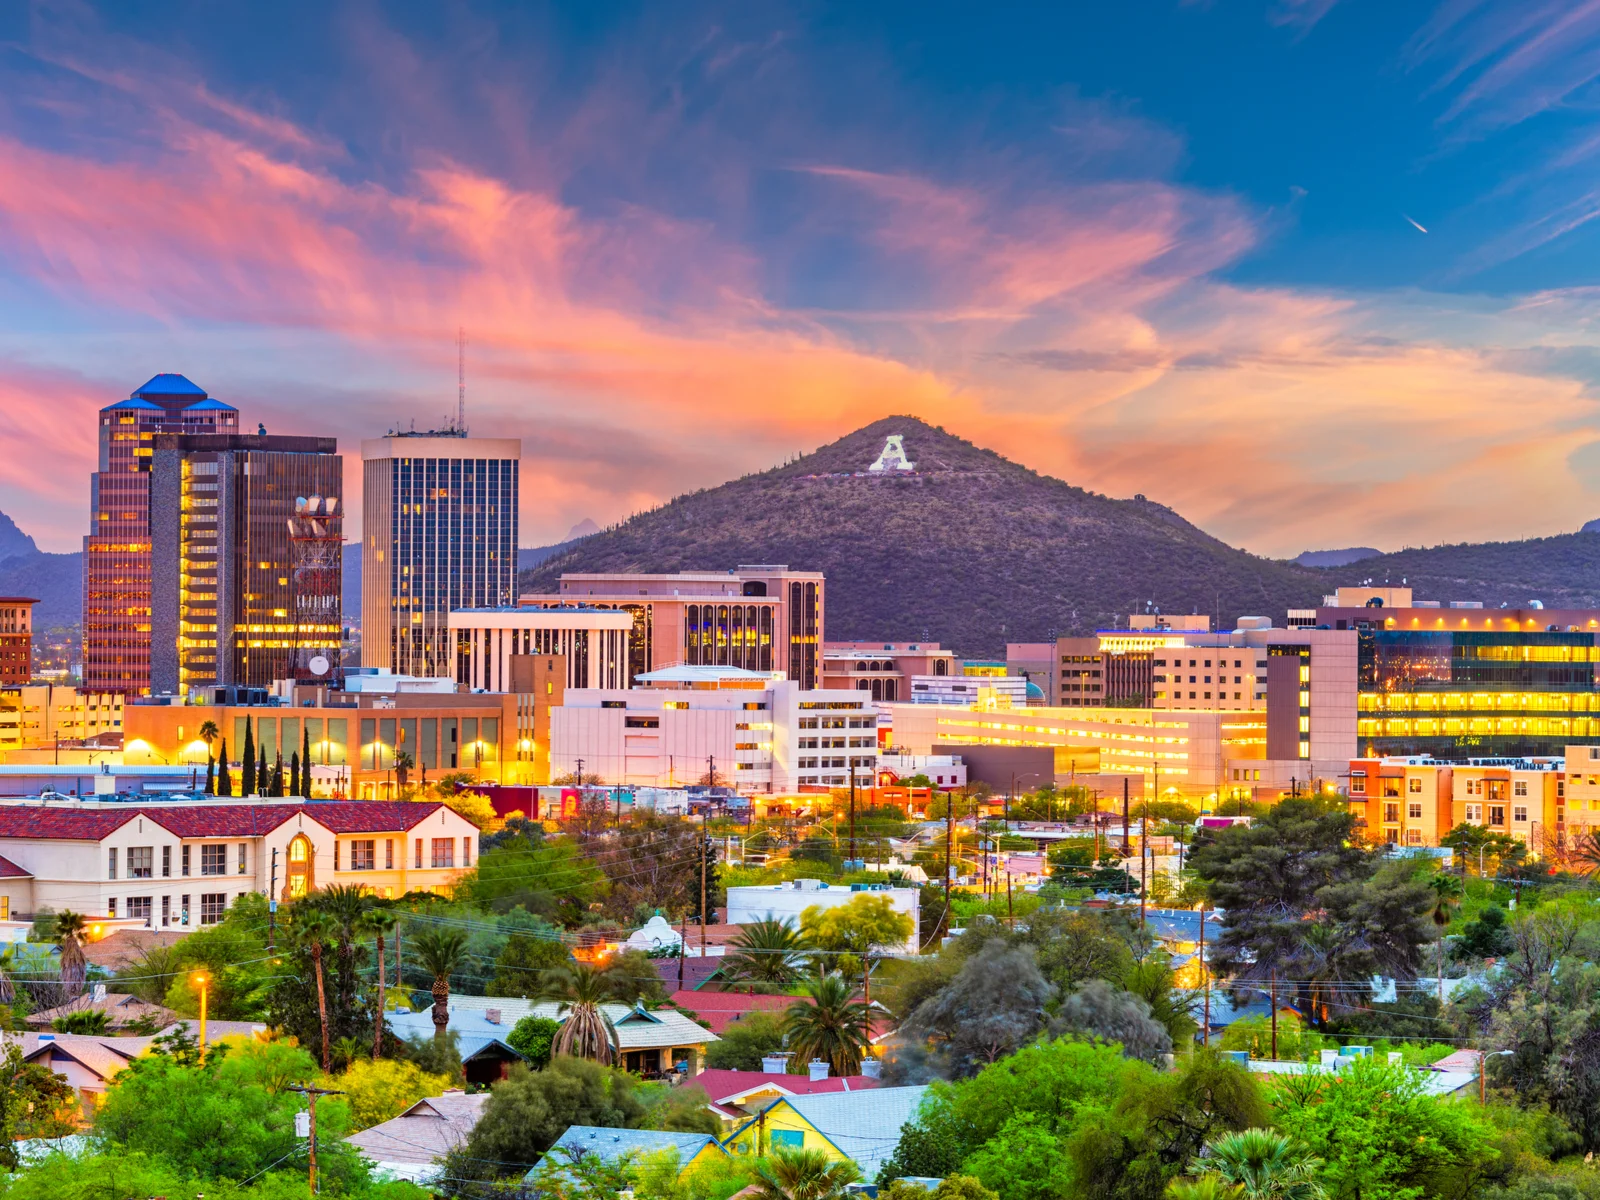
x=694 y=1150
x=862 y=1127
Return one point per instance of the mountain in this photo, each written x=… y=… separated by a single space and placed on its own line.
x=13 y=542
x=54 y=580
x=1334 y=558
x=1561 y=571
x=967 y=548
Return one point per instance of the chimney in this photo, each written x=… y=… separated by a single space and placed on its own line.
x=819 y=1069
x=872 y=1068
x=774 y=1064
x=492 y=1015
x=99 y=993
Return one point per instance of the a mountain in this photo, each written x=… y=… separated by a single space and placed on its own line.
x=968 y=549
x=1334 y=558
x=1561 y=571
x=55 y=580
x=13 y=542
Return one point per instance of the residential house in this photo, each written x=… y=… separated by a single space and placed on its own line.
x=120 y=1009
x=410 y=1146
x=860 y=1126
x=693 y=1150
x=721 y=1009
x=736 y=1096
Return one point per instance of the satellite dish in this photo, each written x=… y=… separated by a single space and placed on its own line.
x=319 y=664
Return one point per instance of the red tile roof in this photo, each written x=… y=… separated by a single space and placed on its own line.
x=10 y=870
x=721 y=1009
x=213 y=820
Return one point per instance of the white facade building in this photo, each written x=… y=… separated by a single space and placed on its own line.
x=182 y=865
x=755 y=731
x=594 y=641
x=970 y=689
x=786 y=901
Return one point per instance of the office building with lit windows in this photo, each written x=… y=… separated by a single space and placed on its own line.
x=116 y=553
x=16 y=639
x=246 y=563
x=439 y=533
x=755 y=617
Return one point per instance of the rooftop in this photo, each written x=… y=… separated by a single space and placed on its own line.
x=200 y=819
x=612 y=1144
x=168 y=384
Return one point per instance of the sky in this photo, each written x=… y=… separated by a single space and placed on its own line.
x=1315 y=273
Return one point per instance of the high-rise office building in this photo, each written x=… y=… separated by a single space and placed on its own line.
x=439 y=532
x=116 y=553
x=246 y=533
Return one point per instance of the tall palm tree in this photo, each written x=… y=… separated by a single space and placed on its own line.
x=208 y=734
x=69 y=931
x=346 y=905
x=1264 y=1165
x=1447 y=893
x=314 y=930
x=587 y=1032
x=767 y=952
x=379 y=921
x=441 y=953
x=832 y=1027
x=799 y=1174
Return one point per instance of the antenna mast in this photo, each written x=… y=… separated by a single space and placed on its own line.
x=461 y=379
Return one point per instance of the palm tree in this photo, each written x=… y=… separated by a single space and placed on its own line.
x=1586 y=852
x=832 y=1026
x=314 y=930
x=767 y=952
x=1447 y=894
x=441 y=953
x=379 y=921
x=70 y=927
x=1264 y=1165
x=208 y=734
x=799 y=1174
x=587 y=1032
x=346 y=905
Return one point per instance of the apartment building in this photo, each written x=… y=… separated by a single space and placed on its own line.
x=1416 y=800
x=16 y=640
x=754 y=731
x=495 y=647
x=182 y=865
x=40 y=715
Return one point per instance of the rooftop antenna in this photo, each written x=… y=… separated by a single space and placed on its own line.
x=461 y=379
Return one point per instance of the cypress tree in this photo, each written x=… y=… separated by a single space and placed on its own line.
x=294 y=773
x=263 y=780
x=248 y=761
x=305 y=762
x=277 y=777
x=211 y=776
x=224 y=779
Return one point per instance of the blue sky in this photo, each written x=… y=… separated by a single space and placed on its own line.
x=1156 y=247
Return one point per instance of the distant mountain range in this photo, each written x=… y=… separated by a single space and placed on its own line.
x=973 y=550
x=966 y=548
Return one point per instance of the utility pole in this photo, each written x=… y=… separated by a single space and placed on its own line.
x=683 y=946
x=313 y=1094
x=852 y=809
x=272 y=906
x=949 y=862
x=702 y=885
x=1274 y=1013
x=1011 y=916
x=1205 y=975
x=1127 y=843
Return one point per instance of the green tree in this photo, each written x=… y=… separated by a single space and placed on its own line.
x=247 y=780
x=376 y=1092
x=532 y=1038
x=768 y=953
x=550 y=879
x=801 y=1174
x=34 y=1102
x=995 y=1004
x=866 y=926
x=1486 y=936
x=275 y=786
x=529 y=1110
x=682 y=1109
x=69 y=931
x=224 y=776
x=1264 y=1165
x=1382 y=1137
x=312 y=931
x=520 y=966
x=831 y=1027
x=745 y=1043
x=294 y=773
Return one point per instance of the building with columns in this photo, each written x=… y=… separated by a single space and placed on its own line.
x=16 y=639
x=495 y=646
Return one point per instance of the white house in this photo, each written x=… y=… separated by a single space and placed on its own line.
x=182 y=864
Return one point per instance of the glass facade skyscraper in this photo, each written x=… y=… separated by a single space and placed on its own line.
x=116 y=553
x=439 y=532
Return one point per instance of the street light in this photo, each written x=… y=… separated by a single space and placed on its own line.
x=203 y=982
x=1483 y=1060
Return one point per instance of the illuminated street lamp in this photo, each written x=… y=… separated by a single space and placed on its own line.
x=202 y=981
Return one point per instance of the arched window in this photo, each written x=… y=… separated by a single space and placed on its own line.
x=877 y=689
x=889 y=690
x=299 y=877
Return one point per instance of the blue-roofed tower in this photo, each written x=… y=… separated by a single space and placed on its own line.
x=116 y=573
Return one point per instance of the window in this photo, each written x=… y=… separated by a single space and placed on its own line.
x=186 y=863
x=792 y=1138
x=1414 y=785
x=139 y=908
x=466 y=852
x=111 y=863
x=388 y=854
x=1414 y=810
x=166 y=862
x=1474 y=787
x=1497 y=814
x=183 y=909
x=1391 y=787
x=364 y=854
x=1475 y=813
x=419 y=852
x=1357 y=785
x=244 y=856
x=1413 y=837
x=213 y=905
x=1520 y=788
x=1519 y=813
x=141 y=862
x=111 y=908
x=336 y=854
x=444 y=852
x=1391 y=814
x=166 y=910
x=214 y=860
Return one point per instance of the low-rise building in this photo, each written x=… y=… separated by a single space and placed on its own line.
x=860 y=1127
x=182 y=865
x=411 y=1145
x=37 y=716
x=884 y=668
x=1415 y=800
x=755 y=731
